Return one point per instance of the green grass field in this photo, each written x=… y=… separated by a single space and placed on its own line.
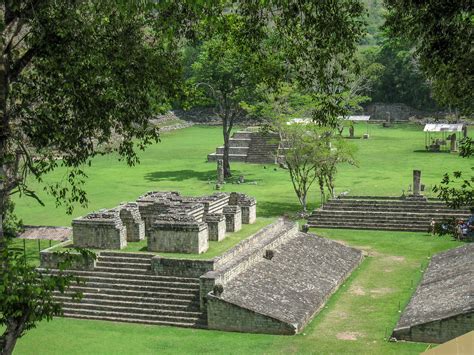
x=357 y=319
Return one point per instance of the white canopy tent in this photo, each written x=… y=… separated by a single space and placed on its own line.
x=436 y=136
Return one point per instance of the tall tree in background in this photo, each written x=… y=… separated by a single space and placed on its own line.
x=442 y=33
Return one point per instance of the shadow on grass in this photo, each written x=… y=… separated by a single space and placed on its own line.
x=181 y=175
x=431 y=152
x=277 y=209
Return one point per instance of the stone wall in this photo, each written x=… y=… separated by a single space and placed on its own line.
x=223 y=315
x=99 y=230
x=178 y=234
x=439 y=331
x=216 y=225
x=180 y=267
x=130 y=216
x=51 y=259
x=233 y=218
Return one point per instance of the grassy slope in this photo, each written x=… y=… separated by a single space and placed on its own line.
x=364 y=309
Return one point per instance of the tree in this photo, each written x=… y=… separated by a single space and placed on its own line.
x=230 y=74
x=441 y=32
x=73 y=76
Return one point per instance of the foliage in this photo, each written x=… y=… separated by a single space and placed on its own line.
x=312 y=153
x=441 y=32
x=26 y=295
x=395 y=76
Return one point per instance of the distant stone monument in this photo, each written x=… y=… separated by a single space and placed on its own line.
x=454 y=143
x=351 y=131
x=416 y=182
x=220 y=172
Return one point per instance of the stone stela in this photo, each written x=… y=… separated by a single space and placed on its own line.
x=171 y=222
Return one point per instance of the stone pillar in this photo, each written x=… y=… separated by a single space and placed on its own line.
x=132 y=220
x=454 y=146
x=216 y=226
x=416 y=182
x=351 y=131
x=464 y=131
x=233 y=218
x=220 y=171
x=247 y=204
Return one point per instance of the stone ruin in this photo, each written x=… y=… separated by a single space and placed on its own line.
x=171 y=222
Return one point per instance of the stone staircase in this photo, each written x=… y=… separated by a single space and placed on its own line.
x=263 y=148
x=238 y=148
x=381 y=213
x=250 y=147
x=122 y=288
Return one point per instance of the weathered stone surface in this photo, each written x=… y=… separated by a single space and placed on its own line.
x=248 y=205
x=416 y=182
x=130 y=216
x=216 y=226
x=289 y=288
x=178 y=234
x=49 y=259
x=233 y=218
x=99 y=230
x=180 y=267
x=442 y=306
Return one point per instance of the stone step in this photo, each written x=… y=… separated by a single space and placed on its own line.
x=123 y=265
x=233 y=150
x=380 y=215
x=165 y=320
x=162 y=287
x=163 y=304
x=394 y=227
x=134 y=320
x=152 y=283
x=343 y=219
x=123 y=259
x=239 y=142
x=110 y=298
x=128 y=276
x=142 y=271
x=351 y=203
x=127 y=255
x=169 y=293
x=395 y=209
x=242 y=134
x=232 y=157
x=85 y=305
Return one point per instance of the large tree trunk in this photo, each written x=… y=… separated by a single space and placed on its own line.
x=12 y=333
x=227 y=123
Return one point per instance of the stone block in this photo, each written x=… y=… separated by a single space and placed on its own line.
x=99 y=230
x=233 y=218
x=247 y=204
x=178 y=234
x=130 y=216
x=216 y=225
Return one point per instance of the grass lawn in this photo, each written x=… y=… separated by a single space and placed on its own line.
x=356 y=319
x=386 y=161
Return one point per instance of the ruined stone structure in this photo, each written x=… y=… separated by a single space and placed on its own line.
x=178 y=233
x=132 y=221
x=442 y=307
x=247 y=204
x=99 y=230
x=250 y=147
x=216 y=226
x=273 y=282
x=233 y=218
x=382 y=213
x=172 y=223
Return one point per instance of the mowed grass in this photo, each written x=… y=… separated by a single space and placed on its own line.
x=386 y=161
x=357 y=319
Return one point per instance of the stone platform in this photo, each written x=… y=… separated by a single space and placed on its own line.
x=382 y=213
x=273 y=282
x=442 y=306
